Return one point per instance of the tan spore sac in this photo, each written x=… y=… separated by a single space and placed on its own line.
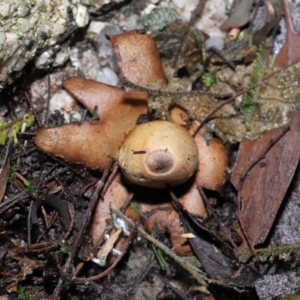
x=91 y=142
x=157 y=154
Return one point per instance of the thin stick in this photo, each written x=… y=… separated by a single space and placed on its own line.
x=222 y=227
x=87 y=217
x=123 y=251
x=154 y=92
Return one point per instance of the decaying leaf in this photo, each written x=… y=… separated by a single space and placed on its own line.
x=217 y=265
x=289 y=53
x=239 y=17
x=182 y=45
x=277 y=96
x=27 y=266
x=4 y=171
x=159 y=18
x=266 y=183
x=249 y=102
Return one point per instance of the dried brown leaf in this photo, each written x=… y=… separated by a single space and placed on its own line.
x=266 y=183
x=239 y=17
x=289 y=52
x=183 y=45
x=4 y=175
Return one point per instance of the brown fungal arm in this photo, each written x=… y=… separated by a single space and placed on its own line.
x=90 y=143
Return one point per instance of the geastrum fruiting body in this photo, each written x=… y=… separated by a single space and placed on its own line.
x=158 y=154
x=164 y=154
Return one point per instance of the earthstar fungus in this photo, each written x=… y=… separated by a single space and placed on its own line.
x=90 y=142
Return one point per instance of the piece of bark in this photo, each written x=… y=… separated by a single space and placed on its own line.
x=266 y=183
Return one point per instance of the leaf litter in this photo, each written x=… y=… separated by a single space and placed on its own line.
x=236 y=120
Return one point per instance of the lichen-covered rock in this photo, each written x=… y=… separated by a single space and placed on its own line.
x=33 y=29
x=36 y=30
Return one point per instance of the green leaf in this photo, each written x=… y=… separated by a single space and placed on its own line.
x=29 y=121
x=3 y=137
x=163 y=264
x=63 y=250
x=209 y=78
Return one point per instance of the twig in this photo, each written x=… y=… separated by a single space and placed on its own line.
x=182 y=295
x=12 y=201
x=197 y=12
x=222 y=227
x=155 y=92
x=87 y=217
x=46 y=120
x=219 y=53
x=111 y=177
x=42 y=178
x=28 y=98
x=29 y=225
x=72 y=219
x=123 y=251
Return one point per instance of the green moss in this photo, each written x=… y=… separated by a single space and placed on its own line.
x=24 y=294
x=250 y=98
x=209 y=78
